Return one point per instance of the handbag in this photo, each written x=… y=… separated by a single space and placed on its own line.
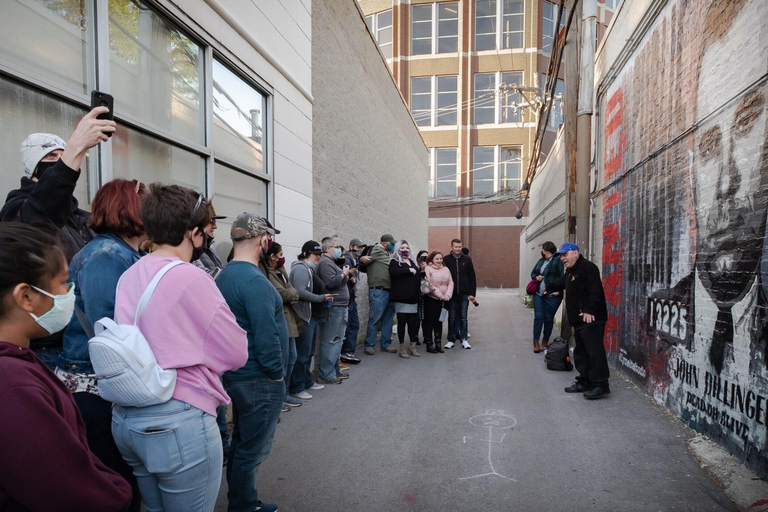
x=426 y=287
x=532 y=287
x=443 y=315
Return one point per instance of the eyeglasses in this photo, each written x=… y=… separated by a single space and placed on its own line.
x=199 y=202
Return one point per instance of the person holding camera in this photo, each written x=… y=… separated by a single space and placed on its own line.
x=546 y=271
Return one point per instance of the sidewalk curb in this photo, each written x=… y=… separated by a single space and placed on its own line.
x=741 y=485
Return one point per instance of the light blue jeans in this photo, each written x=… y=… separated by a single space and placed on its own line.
x=175 y=452
x=331 y=341
x=380 y=310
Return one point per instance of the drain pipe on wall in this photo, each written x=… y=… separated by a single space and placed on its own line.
x=584 y=124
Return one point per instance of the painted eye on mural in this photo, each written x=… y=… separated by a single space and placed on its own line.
x=749 y=110
x=709 y=146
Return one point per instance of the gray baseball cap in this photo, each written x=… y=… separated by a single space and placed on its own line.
x=249 y=225
x=356 y=242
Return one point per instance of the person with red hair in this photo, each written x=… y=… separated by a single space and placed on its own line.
x=95 y=271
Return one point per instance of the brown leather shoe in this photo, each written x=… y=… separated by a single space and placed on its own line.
x=390 y=349
x=536 y=347
x=544 y=345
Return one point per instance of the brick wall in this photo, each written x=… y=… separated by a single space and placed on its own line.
x=682 y=161
x=370 y=165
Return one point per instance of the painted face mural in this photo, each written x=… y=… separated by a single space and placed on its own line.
x=730 y=175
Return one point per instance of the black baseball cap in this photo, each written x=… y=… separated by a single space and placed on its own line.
x=311 y=247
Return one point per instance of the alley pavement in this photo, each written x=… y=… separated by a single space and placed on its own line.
x=487 y=429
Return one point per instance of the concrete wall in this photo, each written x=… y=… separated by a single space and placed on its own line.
x=682 y=165
x=546 y=209
x=370 y=165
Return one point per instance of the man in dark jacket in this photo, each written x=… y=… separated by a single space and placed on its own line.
x=353 y=320
x=464 y=290
x=46 y=195
x=587 y=314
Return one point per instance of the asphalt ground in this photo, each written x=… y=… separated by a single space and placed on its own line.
x=399 y=435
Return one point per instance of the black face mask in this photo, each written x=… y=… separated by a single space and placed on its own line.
x=197 y=252
x=207 y=240
x=42 y=167
x=543 y=255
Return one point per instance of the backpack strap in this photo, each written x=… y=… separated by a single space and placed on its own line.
x=144 y=300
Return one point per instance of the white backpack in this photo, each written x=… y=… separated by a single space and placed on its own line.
x=126 y=369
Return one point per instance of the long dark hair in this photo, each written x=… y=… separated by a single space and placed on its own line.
x=30 y=254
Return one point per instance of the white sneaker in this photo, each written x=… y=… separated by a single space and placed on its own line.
x=316 y=386
x=448 y=345
x=465 y=343
x=303 y=395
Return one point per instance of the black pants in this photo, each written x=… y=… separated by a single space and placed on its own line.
x=431 y=323
x=589 y=355
x=97 y=416
x=411 y=321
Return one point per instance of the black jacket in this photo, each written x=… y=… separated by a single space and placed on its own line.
x=463 y=274
x=583 y=292
x=404 y=285
x=51 y=200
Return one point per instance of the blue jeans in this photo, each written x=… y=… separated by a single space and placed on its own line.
x=353 y=328
x=301 y=377
x=175 y=452
x=380 y=311
x=331 y=341
x=255 y=408
x=291 y=361
x=49 y=355
x=544 y=309
x=457 y=318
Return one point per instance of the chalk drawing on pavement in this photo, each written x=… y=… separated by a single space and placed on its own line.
x=495 y=422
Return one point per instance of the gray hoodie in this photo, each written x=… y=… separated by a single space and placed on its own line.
x=301 y=279
x=334 y=280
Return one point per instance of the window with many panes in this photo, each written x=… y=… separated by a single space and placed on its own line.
x=159 y=73
x=549 y=15
x=496 y=169
x=435 y=28
x=612 y=4
x=434 y=100
x=556 y=112
x=380 y=25
x=499 y=24
x=495 y=98
x=445 y=178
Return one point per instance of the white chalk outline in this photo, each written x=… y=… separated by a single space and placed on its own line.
x=490 y=443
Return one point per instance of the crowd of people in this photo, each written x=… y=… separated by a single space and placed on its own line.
x=244 y=332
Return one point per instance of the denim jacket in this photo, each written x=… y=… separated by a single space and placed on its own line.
x=95 y=271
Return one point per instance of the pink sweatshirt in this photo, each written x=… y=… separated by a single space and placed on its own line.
x=189 y=327
x=442 y=281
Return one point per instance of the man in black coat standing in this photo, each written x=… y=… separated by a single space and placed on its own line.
x=464 y=291
x=587 y=314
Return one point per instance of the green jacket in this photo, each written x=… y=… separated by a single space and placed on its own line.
x=378 y=268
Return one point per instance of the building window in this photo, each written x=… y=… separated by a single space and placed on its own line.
x=492 y=35
x=434 y=100
x=612 y=4
x=435 y=28
x=494 y=99
x=556 y=112
x=496 y=169
x=157 y=74
x=446 y=172
x=549 y=20
x=380 y=25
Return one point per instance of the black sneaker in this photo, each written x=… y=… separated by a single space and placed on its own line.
x=577 y=387
x=350 y=358
x=265 y=507
x=597 y=392
x=342 y=376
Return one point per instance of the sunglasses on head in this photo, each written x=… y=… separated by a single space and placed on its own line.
x=198 y=203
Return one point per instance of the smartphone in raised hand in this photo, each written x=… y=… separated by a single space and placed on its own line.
x=102 y=99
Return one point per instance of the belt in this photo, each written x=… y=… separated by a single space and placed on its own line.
x=379 y=288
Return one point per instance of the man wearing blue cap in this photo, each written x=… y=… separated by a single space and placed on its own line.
x=587 y=314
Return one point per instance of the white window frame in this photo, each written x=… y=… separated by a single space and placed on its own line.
x=612 y=5
x=375 y=29
x=433 y=172
x=433 y=108
x=435 y=32
x=496 y=165
x=557 y=105
x=497 y=100
x=499 y=17
x=553 y=21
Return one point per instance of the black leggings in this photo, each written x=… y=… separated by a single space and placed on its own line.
x=431 y=323
x=410 y=320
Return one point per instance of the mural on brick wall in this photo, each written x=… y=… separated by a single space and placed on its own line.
x=685 y=255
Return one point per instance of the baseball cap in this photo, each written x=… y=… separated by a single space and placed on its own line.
x=567 y=246
x=356 y=241
x=388 y=238
x=311 y=247
x=248 y=225
x=213 y=208
x=36 y=146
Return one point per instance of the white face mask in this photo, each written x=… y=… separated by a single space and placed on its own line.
x=58 y=317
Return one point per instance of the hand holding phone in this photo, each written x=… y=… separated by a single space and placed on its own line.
x=102 y=99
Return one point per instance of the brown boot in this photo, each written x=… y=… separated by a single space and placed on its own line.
x=412 y=350
x=404 y=351
x=536 y=346
x=544 y=345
